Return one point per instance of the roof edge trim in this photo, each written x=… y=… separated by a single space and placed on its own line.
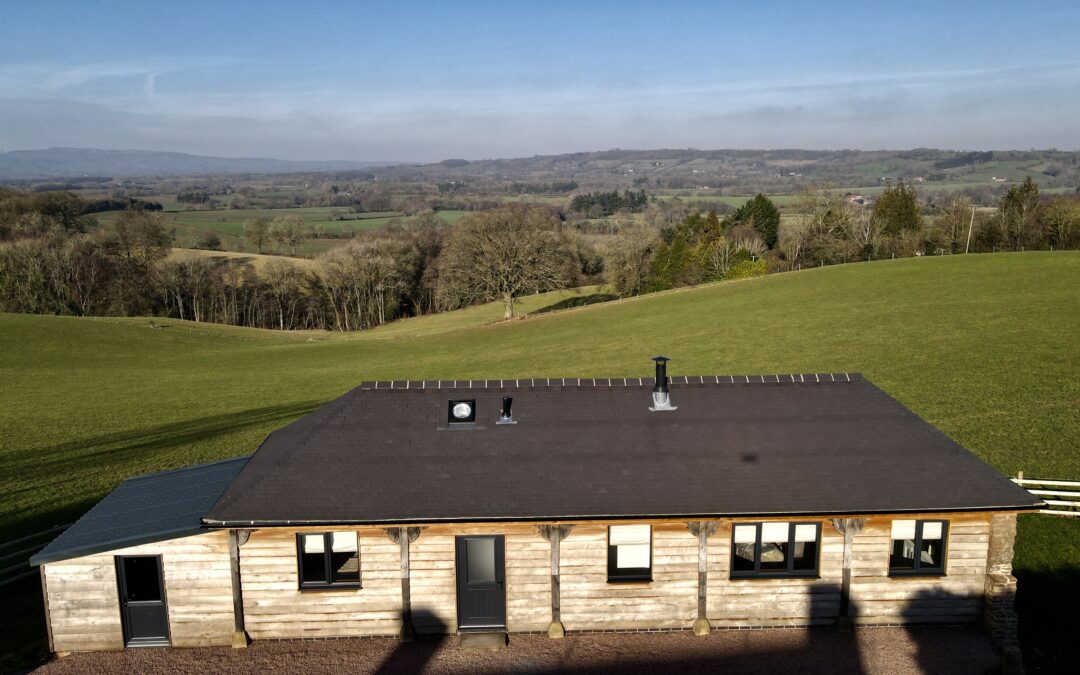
x=212 y=525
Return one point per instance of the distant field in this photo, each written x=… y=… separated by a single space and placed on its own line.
x=228 y=224
x=983 y=346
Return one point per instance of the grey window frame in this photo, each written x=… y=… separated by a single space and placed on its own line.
x=917 y=569
x=622 y=575
x=328 y=572
x=790 y=572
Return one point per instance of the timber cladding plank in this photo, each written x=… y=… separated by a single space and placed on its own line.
x=84 y=609
x=84 y=605
x=275 y=607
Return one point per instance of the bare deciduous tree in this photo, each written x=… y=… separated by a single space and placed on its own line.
x=502 y=254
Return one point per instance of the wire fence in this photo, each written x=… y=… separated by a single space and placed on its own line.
x=15 y=554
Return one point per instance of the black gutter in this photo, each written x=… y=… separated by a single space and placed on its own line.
x=548 y=519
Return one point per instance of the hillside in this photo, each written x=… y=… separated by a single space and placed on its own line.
x=747 y=171
x=982 y=346
x=70 y=162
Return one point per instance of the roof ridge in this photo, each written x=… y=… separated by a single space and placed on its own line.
x=532 y=382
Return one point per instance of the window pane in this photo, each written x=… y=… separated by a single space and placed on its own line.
x=903 y=529
x=746 y=534
x=313 y=543
x=804 y=556
x=744 y=557
x=344 y=559
x=903 y=554
x=930 y=556
x=775 y=532
x=773 y=556
x=628 y=534
x=344 y=542
x=313 y=559
x=632 y=556
x=806 y=532
x=931 y=529
x=480 y=554
x=141 y=579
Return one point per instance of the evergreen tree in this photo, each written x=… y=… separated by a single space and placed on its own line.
x=761 y=214
x=897 y=210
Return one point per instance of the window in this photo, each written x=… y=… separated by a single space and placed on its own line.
x=918 y=547
x=328 y=559
x=629 y=553
x=775 y=549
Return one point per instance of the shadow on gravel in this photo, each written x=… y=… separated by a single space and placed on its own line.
x=413 y=657
x=969 y=652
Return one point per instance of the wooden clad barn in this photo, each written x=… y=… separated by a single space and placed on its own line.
x=552 y=506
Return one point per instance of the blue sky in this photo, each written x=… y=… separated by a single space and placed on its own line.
x=427 y=81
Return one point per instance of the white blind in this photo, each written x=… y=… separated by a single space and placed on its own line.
x=628 y=534
x=931 y=530
x=903 y=529
x=344 y=542
x=632 y=556
x=313 y=543
x=774 y=532
x=745 y=534
x=806 y=532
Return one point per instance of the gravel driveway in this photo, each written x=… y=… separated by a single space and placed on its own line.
x=865 y=650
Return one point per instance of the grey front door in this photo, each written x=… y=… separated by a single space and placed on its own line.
x=481 y=586
x=143 y=612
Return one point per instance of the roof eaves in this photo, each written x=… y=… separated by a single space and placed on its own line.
x=112 y=545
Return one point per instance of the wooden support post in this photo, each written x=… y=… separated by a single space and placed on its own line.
x=555 y=534
x=237 y=538
x=848 y=527
x=403 y=536
x=702 y=530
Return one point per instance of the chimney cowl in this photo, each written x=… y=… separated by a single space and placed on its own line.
x=660 y=395
x=506 y=415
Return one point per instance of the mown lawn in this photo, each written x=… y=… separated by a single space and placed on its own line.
x=985 y=347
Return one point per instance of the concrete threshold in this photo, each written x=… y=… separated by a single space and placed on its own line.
x=485 y=640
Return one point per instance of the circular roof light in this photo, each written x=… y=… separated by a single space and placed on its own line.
x=462 y=411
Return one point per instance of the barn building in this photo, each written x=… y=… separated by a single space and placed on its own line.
x=551 y=505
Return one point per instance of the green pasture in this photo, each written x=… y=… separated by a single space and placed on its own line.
x=190 y=226
x=982 y=346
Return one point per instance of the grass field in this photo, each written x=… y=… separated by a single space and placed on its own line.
x=228 y=224
x=984 y=347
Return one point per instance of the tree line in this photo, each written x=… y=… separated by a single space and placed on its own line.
x=56 y=258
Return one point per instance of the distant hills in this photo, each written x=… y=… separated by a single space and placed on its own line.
x=732 y=171
x=76 y=162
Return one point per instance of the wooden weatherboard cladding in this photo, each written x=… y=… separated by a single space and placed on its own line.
x=84 y=610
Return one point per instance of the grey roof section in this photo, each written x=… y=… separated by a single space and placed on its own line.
x=737 y=445
x=145 y=509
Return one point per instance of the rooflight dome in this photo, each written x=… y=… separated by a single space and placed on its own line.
x=462 y=410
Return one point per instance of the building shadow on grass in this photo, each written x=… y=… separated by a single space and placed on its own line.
x=577 y=301
x=118 y=447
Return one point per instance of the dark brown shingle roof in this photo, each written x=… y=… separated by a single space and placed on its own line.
x=737 y=445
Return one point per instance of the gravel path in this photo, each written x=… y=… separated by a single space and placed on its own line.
x=889 y=651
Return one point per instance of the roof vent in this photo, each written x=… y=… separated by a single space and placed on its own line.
x=660 y=396
x=505 y=416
